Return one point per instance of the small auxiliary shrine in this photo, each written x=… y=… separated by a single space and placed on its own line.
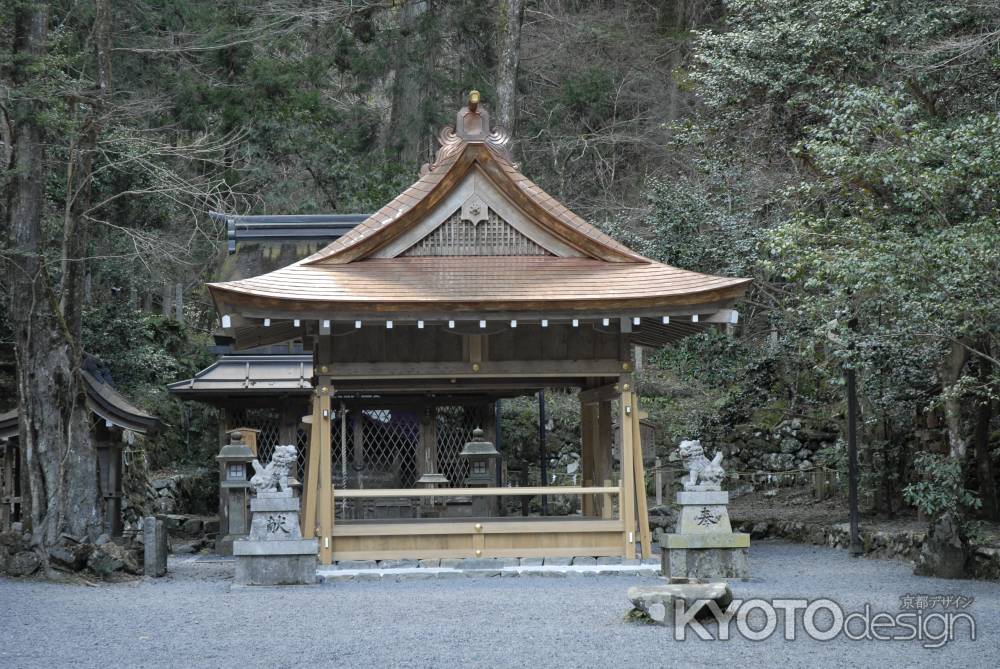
x=470 y=286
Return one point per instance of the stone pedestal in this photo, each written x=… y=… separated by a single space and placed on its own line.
x=275 y=552
x=704 y=545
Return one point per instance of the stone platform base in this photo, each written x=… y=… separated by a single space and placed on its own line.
x=706 y=563
x=275 y=570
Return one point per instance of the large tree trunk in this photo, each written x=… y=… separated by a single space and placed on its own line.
x=951 y=372
x=511 y=17
x=984 y=462
x=56 y=447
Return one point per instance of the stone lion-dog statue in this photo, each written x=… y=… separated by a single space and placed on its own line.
x=274 y=476
x=703 y=474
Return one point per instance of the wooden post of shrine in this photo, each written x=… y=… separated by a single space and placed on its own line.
x=317 y=508
x=588 y=453
x=627 y=504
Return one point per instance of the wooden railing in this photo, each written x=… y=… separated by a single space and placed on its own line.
x=382 y=493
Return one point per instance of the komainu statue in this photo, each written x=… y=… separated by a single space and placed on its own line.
x=703 y=474
x=274 y=476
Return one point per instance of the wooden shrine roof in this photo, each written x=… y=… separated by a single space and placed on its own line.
x=574 y=266
x=478 y=284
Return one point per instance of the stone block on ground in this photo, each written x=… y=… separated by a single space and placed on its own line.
x=609 y=560
x=558 y=561
x=398 y=564
x=531 y=562
x=357 y=564
x=583 y=559
x=433 y=562
x=659 y=603
x=154 y=536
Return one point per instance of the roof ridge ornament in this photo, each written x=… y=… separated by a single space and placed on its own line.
x=472 y=126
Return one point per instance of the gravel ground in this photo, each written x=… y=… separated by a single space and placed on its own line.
x=193 y=619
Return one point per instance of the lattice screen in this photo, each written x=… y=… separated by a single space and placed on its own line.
x=492 y=237
x=390 y=439
x=268 y=422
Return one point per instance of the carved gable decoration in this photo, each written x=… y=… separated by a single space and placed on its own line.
x=481 y=234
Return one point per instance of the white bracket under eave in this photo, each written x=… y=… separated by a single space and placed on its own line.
x=324 y=327
x=227 y=322
x=267 y=322
x=388 y=325
x=296 y=322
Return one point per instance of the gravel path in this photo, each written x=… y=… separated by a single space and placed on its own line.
x=193 y=619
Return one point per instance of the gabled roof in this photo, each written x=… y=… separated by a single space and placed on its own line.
x=368 y=271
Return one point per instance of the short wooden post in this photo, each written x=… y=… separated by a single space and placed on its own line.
x=658 y=481
x=588 y=455
x=642 y=510
x=606 y=501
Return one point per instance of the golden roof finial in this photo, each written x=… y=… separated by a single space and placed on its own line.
x=473 y=100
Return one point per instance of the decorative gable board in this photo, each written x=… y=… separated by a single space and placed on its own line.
x=491 y=236
x=453 y=227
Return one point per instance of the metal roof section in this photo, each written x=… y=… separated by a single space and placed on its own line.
x=249 y=375
x=285 y=227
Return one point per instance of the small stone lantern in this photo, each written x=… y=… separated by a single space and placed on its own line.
x=234 y=492
x=432 y=480
x=482 y=456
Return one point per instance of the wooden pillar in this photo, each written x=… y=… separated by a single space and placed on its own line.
x=588 y=454
x=310 y=489
x=603 y=452
x=627 y=503
x=427 y=458
x=642 y=512
x=325 y=478
x=359 y=440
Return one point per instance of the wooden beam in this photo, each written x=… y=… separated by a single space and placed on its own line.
x=600 y=394
x=642 y=510
x=486 y=368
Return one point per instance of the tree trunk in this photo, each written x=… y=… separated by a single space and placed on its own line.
x=511 y=17
x=951 y=372
x=55 y=442
x=984 y=463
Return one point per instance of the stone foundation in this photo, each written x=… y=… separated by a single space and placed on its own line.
x=276 y=569
x=706 y=563
x=275 y=552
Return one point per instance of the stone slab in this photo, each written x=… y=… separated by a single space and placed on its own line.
x=734 y=540
x=703 y=497
x=271 y=504
x=275 y=547
x=659 y=603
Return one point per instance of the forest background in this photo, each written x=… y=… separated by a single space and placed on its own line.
x=843 y=153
